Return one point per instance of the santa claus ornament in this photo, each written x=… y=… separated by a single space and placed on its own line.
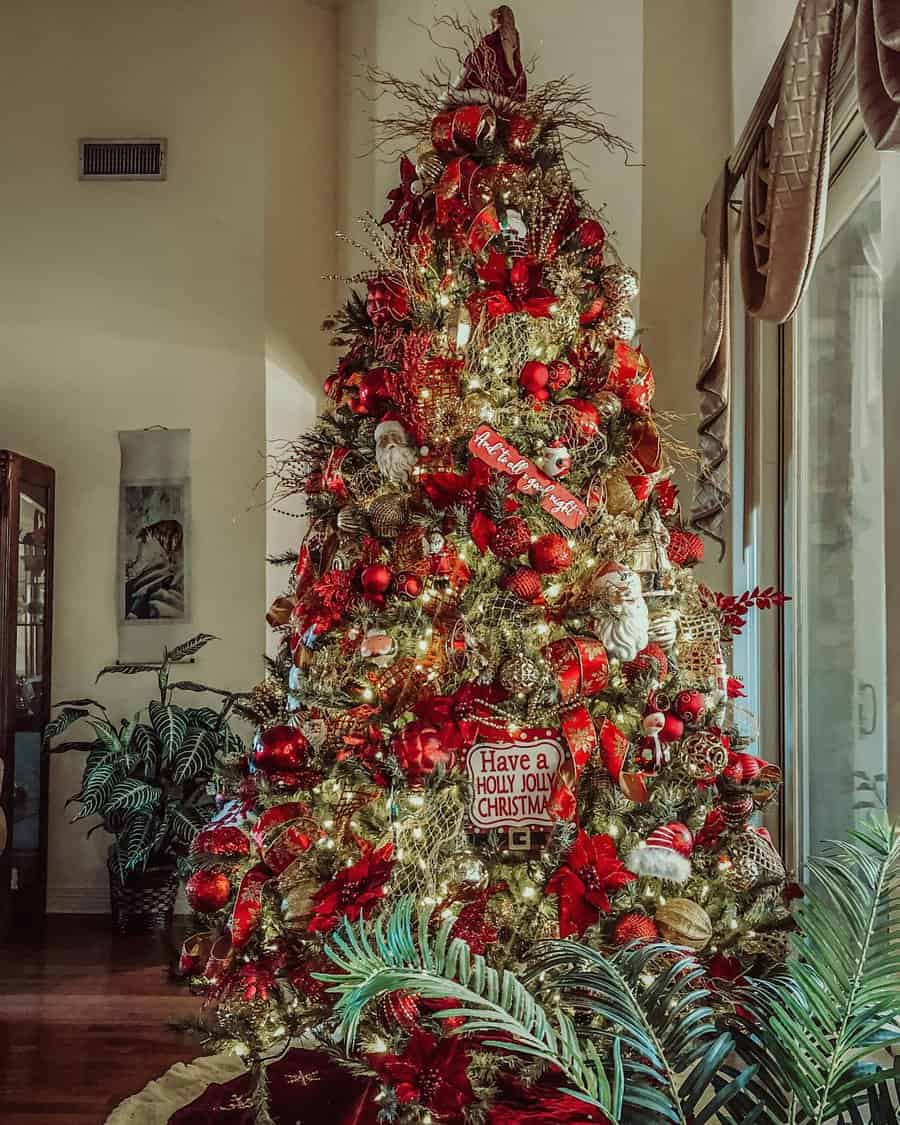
x=395 y=454
x=618 y=612
x=556 y=460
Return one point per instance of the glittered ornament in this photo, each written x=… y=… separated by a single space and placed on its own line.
x=619 y=283
x=591 y=235
x=207 y=891
x=351 y=520
x=520 y=675
x=221 y=840
x=511 y=539
x=634 y=926
x=524 y=582
x=408 y=585
x=280 y=748
x=550 y=554
x=560 y=375
x=399 y=1009
x=685 y=548
x=753 y=860
x=738 y=811
x=388 y=515
x=464 y=868
x=620 y=322
x=684 y=922
x=375 y=579
x=702 y=756
x=689 y=706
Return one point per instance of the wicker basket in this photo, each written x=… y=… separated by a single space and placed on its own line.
x=146 y=902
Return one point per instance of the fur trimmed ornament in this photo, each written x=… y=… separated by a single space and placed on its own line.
x=665 y=854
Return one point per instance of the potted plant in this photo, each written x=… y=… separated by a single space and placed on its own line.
x=147 y=779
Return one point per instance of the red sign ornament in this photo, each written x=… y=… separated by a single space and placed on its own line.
x=490 y=447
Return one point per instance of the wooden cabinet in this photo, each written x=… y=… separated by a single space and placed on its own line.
x=26 y=601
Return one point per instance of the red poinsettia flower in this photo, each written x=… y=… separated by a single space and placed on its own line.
x=410 y=210
x=466 y=489
x=509 y=289
x=713 y=827
x=541 y=1104
x=354 y=892
x=591 y=871
x=431 y=1072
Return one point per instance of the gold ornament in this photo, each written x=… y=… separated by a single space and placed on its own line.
x=753 y=861
x=429 y=167
x=388 y=515
x=351 y=520
x=297 y=884
x=701 y=756
x=620 y=321
x=620 y=283
x=476 y=408
x=520 y=674
x=620 y=497
x=684 y=922
x=464 y=868
x=608 y=404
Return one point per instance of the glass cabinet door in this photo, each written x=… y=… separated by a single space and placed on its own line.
x=839 y=568
x=26 y=576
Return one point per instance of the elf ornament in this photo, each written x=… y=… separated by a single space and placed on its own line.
x=665 y=854
x=618 y=612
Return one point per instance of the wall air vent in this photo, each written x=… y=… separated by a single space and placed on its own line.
x=122 y=159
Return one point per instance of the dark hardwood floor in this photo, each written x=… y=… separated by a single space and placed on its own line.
x=83 y=1020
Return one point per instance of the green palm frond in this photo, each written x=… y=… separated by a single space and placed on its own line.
x=397 y=951
x=827 y=1033
x=652 y=1002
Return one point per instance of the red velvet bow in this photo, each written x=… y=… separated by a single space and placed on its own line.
x=510 y=289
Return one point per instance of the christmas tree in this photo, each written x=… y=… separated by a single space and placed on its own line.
x=502 y=703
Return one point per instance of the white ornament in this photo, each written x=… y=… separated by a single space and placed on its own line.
x=395 y=454
x=619 y=613
x=435 y=543
x=556 y=460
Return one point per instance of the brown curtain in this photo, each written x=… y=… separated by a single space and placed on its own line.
x=878 y=70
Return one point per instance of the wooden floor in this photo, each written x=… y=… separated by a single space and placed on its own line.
x=83 y=1017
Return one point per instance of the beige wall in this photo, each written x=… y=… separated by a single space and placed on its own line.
x=125 y=305
x=687 y=136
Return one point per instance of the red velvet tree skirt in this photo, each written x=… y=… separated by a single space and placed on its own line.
x=305 y=1088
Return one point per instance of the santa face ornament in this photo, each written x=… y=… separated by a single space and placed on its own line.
x=395 y=454
x=556 y=460
x=619 y=617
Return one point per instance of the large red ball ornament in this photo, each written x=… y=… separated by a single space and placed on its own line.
x=673 y=729
x=375 y=579
x=524 y=582
x=207 y=891
x=419 y=749
x=408 y=585
x=689 y=706
x=550 y=554
x=534 y=377
x=280 y=748
x=221 y=840
x=511 y=539
x=585 y=420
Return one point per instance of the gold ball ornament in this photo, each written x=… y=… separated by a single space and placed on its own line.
x=619 y=283
x=608 y=404
x=464 y=868
x=701 y=756
x=620 y=321
x=520 y=675
x=388 y=515
x=477 y=407
x=753 y=860
x=351 y=520
x=684 y=922
x=429 y=167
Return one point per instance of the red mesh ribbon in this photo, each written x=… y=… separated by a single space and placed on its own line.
x=581 y=668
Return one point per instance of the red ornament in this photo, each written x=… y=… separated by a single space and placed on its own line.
x=634 y=926
x=399 y=1009
x=685 y=548
x=560 y=375
x=419 y=748
x=682 y=837
x=534 y=377
x=280 y=748
x=511 y=539
x=550 y=554
x=207 y=891
x=387 y=301
x=585 y=419
x=689 y=706
x=408 y=585
x=221 y=840
x=591 y=235
x=524 y=582
x=375 y=579
x=672 y=730
x=649 y=659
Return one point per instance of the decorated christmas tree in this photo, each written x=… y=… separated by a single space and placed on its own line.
x=501 y=708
